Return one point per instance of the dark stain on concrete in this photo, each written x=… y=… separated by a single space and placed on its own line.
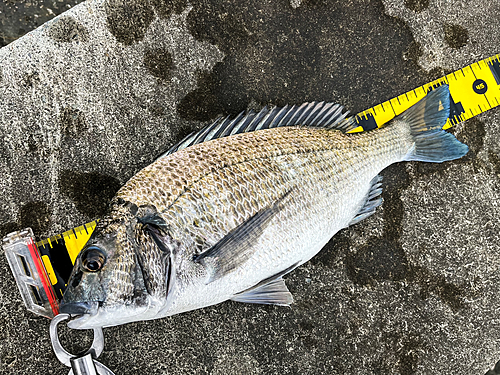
x=408 y=355
x=35 y=215
x=156 y=109
x=166 y=8
x=202 y=104
x=383 y=258
x=413 y=52
x=68 y=29
x=91 y=192
x=5 y=152
x=332 y=251
x=159 y=63
x=73 y=122
x=19 y=16
x=128 y=20
x=380 y=259
x=31 y=79
x=279 y=55
x=455 y=36
x=32 y=143
x=451 y=294
x=495 y=161
x=417 y=5
x=9 y=227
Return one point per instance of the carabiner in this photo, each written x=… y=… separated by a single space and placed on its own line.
x=85 y=363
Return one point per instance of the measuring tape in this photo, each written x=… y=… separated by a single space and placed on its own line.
x=474 y=89
x=42 y=270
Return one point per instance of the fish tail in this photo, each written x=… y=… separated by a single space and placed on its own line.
x=426 y=120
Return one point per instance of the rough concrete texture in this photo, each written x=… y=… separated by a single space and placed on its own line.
x=97 y=93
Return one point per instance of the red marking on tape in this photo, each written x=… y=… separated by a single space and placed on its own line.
x=47 y=286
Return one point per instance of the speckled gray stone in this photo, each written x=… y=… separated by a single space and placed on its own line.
x=94 y=95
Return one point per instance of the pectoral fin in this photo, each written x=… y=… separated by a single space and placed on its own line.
x=236 y=247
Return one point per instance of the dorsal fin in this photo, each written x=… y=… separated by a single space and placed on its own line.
x=314 y=114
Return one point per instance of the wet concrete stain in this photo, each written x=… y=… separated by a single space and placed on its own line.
x=383 y=258
x=159 y=63
x=276 y=54
x=91 y=192
x=72 y=122
x=380 y=259
x=9 y=227
x=472 y=135
x=451 y=294
x=333 y=250
x=417 y=5
x=308 y=335
x=68 y=29
x=128 y=20
x=36 y=215
x=166 y=8
x=495 y=161
x=31 y=79
x=408 y=355
x=5 y=152
x=455 y=36
x=495 y=370
x=19 y=16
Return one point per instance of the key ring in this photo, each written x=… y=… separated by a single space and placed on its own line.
x=80 y=364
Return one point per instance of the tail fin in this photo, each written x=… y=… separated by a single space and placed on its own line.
x=426 y=119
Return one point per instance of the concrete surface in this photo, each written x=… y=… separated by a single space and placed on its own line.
x=97 y=93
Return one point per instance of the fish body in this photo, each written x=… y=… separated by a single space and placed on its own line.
x=228 y=217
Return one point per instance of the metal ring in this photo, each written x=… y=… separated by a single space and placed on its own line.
x=65 y=357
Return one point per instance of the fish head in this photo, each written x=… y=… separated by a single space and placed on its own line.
x=109 y=283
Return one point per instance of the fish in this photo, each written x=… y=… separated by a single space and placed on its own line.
x=230 y=210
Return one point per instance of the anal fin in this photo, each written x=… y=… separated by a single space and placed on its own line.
x=270 y=291
x=273 y=293
x=371 y=202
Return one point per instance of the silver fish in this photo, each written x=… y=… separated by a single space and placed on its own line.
x=226 y=213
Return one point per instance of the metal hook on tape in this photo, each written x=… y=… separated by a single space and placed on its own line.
x=84 y=364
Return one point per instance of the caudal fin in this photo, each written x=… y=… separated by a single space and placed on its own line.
x=426 y=120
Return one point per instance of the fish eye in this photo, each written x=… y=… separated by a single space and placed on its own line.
x=93 y=259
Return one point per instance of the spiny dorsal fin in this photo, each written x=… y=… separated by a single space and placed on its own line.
x=371 y=202
x=314 y=114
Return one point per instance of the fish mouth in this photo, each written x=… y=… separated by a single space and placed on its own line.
x=80 y=322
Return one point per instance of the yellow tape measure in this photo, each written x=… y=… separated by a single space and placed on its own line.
x=473 y=90
x=59 y=254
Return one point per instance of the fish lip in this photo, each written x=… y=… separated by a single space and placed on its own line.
x=79 y=308
x=78 y=321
